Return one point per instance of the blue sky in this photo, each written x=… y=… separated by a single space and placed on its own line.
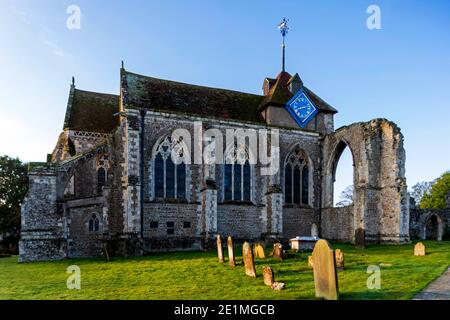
x=401 y=72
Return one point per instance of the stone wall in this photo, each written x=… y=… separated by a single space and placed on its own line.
x=297 y=221
x=242 y=222
x=430 y=224
x=380 y=198
x=41 y=219
x=337 y=224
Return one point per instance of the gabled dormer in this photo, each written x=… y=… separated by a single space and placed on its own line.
x=288 y=103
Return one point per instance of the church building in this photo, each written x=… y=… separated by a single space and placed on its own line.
x=112 y=185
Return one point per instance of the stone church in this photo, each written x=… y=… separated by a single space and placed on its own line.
x=110 y=184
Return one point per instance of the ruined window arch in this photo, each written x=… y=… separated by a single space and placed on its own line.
x=343 y=175
x=170 y=172
x=102 y=170
x=297 y=176
x=238 y=173
x=94 y=223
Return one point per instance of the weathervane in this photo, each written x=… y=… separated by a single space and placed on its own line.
x=284 y=30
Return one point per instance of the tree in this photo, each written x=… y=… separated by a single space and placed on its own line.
x=420 y=189
x=13 y=188
x=436 y=198
x=346 y=197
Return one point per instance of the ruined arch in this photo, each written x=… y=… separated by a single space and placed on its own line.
x=433 y=227
x=341 y=146
x=380 y=207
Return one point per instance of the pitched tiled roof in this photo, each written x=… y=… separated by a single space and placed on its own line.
x=163 y=95
x=279 y=94
x=91 y=111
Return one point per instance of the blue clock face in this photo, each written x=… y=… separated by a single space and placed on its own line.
x=301 y=108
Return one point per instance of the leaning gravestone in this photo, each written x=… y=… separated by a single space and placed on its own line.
x=325 y=275
x=248 y=260
x=419 y=249
x=360 y=238
x=277 y=252
x=268 y=276
x=219 y=248
x=230 y=252
x=258 y=250
x=339 y=259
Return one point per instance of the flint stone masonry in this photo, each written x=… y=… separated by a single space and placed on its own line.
x=121 y=134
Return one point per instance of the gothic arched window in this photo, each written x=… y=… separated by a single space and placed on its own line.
x=102 y=167
x=296 y=178
x=101 y=179
x=169 y=176
x=94 y=223
x=237 y=175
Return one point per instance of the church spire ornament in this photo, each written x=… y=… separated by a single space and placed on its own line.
x=284 y=30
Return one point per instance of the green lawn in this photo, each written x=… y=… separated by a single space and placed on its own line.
x=198 y=275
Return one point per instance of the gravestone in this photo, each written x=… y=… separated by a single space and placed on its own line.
x=230 y=252
x=314 y=231
x=339 y=259
x=360 y=238
x=310 y=262
x=258 y=250
x=277 y=252
x=419 y=249
x=268 y=276
x=325 y=275
x=248 y=260
x=219 y=248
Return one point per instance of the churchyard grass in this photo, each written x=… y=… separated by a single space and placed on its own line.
x=199 y=275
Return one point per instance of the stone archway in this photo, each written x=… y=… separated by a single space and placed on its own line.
x=380 y=206
x=434 y=228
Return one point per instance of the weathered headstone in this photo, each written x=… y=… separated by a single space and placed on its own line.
x=248 y=260
x=325 y=275
x=419 y=249
x=360 y=238
x=314 y=231
x=339 y=259
x=310 y=262
x=277 y=252
x=219 y=248
x=230 y=246
x=268 y=276
x=258 y=250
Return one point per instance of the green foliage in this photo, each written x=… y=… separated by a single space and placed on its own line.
x=13 y=187
x=199 y=275
x=436 y=198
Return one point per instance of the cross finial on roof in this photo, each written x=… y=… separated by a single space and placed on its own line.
x=73 y=80
x=284 y=29
x=122 y=65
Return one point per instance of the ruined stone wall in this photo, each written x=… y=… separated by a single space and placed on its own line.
x=298 y=221
x=41 y=222
x=419 y=220
x=337 y=224
x=380 y=196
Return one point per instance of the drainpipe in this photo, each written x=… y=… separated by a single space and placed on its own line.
x=141 y=157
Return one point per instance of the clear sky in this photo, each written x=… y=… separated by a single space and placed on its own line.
x=401 y=72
